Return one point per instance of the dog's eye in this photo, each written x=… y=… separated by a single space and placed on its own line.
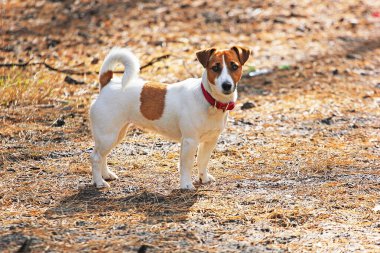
x=216 y=68
x=234 y=66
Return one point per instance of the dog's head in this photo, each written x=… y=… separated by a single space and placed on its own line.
x=224 y=67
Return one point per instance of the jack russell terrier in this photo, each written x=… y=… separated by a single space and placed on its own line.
x=193 y=112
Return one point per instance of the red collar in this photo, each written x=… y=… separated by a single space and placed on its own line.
x=219 y=105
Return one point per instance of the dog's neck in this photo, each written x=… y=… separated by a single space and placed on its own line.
x=217 y=96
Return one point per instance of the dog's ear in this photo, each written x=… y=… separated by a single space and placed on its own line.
x=242 y=53
x=204 y=55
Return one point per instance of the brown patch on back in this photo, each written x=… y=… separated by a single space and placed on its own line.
x=105 y=78
x=152 y=100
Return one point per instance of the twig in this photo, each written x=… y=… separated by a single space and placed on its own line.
x=14 y=64
x=25 y=246
x=73 y=72
x=154 y=60
x=66 y=71
x=69 y=71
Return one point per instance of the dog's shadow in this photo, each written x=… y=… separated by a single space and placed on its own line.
x=156 y=207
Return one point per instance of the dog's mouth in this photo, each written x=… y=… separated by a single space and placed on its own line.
x=228 y=92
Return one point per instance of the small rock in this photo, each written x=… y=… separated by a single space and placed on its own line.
x=71 y=80
x=245 y=122
x=212 y=17
x=335 y=72
x=327 y=121
x=67 y=108
x=160 y=43
x=353 y=56
x=52 y=43
x=142 y=249
x=300 y=29
x=59 y=122
x=267 y=82
x=279 y=21
x=7 y=48
x=45 y=106
x=95 y=60
x=80 y=223
x=80 y=33
x=377 y=86
x=247 y=105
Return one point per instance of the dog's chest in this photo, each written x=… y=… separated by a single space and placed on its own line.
x=213 y=127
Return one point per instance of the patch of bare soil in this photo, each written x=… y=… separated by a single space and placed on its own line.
x=297 y=168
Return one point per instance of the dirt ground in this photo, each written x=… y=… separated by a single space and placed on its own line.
x=297 y=169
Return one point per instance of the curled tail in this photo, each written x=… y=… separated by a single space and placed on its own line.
x=123 y=56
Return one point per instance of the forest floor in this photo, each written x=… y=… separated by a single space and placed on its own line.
x=297 y=169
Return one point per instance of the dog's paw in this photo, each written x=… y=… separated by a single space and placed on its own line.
x=109 y=175
x=187 y=186
x=204 y=179
x=101 y=184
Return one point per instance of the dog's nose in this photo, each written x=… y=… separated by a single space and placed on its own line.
x=226 y=86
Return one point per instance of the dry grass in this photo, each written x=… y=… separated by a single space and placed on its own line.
x=297 y=172
x=16 y=89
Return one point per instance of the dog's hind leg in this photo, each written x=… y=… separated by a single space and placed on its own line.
x=122 y=133
x=103 y=146
x=107 y=174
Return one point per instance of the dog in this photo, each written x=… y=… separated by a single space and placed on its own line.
x=193 y=112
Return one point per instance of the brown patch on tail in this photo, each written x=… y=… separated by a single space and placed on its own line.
x=105 y=78
x=152 y=100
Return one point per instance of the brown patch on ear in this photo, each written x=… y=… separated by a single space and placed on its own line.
x=242 y=53
x=152 y=100
x=105 y=78
x=230 y=56
x=204 y=55
x=215 y=58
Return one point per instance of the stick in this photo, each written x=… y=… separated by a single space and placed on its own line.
x=68 y=71
x=73 y=72
x=154 y=60
x=25 y=246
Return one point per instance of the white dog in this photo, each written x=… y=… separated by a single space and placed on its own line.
x=193 y=112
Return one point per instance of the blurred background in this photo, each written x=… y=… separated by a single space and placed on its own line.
x=79 y=33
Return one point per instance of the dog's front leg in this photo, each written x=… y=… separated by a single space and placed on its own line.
x=204 y=153
x=188 y=150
